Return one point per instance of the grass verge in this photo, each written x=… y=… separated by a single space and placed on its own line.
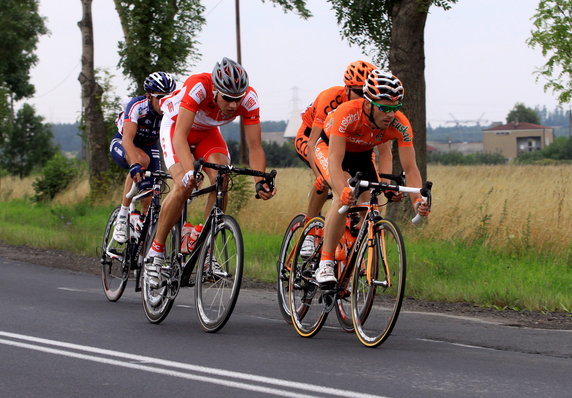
x=438 y=269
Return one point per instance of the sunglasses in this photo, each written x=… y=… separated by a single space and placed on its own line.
x=231 y=99
x=158 y=96
x=387 y=108
x=357 y=91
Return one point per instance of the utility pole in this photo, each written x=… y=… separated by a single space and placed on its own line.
x=243 y=157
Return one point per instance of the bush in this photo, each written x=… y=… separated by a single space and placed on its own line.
x=55 y=177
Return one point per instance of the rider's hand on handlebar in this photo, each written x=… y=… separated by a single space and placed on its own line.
x=189 y=179
x=422 y=207
x=263 y=190
x=136 y=171
x=347 y=197
x=320 y=185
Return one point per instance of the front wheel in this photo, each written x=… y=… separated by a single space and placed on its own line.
x=157 y=302
x=219 y=273
x=284 y=265
x=307 y=306
x=114 y=265
x=378 y=283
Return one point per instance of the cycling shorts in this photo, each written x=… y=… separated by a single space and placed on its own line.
x=118 y=154
x=301 y=143
x=202 y=143
x=352 y=163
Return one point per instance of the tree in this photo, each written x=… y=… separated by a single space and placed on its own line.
x=91 y=93
x=392 y=33
x=20 y=29
x=523 y=114
x=158 y=35
x=552 y=26
x=28 y=143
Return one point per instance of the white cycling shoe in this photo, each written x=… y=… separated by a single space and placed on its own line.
x=325 y=272
x=308 y=246
x=120 y=230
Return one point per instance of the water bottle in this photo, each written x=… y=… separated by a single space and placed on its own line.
x=134 y=218
x=194 y=235
x=185 y=236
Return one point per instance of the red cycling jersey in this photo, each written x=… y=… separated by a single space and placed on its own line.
x=197 y=95
x=350 y=122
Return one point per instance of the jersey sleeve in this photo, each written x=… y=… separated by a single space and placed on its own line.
x=343 y=121
x=327 y=101
x=195 y=93
x=401 y=130
x=250 y=108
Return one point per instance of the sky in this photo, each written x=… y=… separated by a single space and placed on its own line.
x=478 y=65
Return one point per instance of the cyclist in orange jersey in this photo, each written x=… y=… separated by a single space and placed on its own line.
x=190 y=130
x=346 y=145
x=312 y=124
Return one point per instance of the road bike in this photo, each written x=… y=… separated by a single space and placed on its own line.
x=284 y=265
x=120 y=261
x=372 y=275
x=216 y=261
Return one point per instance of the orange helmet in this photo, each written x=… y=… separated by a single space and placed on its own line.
x=383 y=85
x=357 y=72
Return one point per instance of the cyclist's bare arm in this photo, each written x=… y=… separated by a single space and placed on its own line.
x=256 y=155
x=314 y=135
x=385 y=159
x=129 y=132
x=409 y=164
x=336 y=153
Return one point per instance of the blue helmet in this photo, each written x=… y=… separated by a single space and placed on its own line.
x=162 y=82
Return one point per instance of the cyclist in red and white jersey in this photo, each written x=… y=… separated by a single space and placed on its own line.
x=135 y=145
x=189 y=131
x=312 y=124
x=346 y=145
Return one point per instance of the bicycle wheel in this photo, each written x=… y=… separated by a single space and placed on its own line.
x=307 y=308
x=284 y=265
x=114 y=269
x=343 y=311
x=378 y=283
x=157 y=302
x=219 y=273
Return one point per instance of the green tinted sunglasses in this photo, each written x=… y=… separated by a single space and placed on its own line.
x=387 y=108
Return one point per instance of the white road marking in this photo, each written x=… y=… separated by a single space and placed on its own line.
x=185 y=371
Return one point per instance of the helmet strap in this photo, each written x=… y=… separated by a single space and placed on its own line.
x=370 y=116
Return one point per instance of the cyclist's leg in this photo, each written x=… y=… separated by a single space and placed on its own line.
x=118 y=154
x=212 y=148
x=334 y=223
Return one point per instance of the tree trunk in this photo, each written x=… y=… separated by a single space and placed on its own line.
x=91 y=93
x=407 y=62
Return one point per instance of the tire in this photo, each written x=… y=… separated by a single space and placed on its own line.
x=376 y=303
x=304 y=296
x=157 y=302
x=114 y=267
x=216 y=295
x=344 y=312
x=283 y=266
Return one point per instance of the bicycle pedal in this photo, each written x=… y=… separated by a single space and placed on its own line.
x=329 y=302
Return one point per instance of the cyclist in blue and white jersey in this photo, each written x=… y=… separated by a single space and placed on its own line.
x=136 y=145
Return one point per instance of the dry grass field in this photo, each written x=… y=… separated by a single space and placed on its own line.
x=510 y=207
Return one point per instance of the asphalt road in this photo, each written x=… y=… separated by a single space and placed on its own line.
x=60 y=337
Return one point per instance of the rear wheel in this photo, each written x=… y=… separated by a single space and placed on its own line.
x=114 y=267
x=378 y=283
x=219 y=273
x=157 y=302
x=284 y=265
x=307 y=308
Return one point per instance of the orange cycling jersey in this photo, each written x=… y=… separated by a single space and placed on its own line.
x=197 y=95
x=325 y=102
x=350 y=122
